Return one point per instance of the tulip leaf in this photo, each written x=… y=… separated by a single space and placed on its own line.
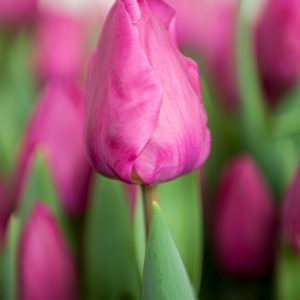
x=9 y=260
x=39 y=186
x=110 y=266
x=17 y=94
x=164 y=275
x=285 y=123
x=288 y=271
x=254 y=118
x=180 y=202
x=252 y=100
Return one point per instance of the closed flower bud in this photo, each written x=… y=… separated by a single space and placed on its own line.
x=244 y=220
x=278 y=45
x=56 y=128
x=65 y=60
x=291 y=214
x=145 y=121
x=46 y=268
x=14 y=12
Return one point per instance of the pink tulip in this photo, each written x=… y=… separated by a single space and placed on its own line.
x=145 y=122
x=291 y=213
x=46 y=268
x=56 y=128
x=244 y=220
x=209 y=29
x=60 y=46
x=17 y=11
x=278 y=45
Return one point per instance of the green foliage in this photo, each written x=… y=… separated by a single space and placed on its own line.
x=181 y=205
x=164 y=276
x=39 y=186
x=17 y=94
x=9 y=266
x=288 y=269
x=180 y=202
x=109 y=262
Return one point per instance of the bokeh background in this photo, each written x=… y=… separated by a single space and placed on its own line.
x=243 y=244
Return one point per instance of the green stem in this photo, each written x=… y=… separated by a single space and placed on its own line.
x=150 y=194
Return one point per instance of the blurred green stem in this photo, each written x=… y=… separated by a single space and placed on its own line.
x=150 y=194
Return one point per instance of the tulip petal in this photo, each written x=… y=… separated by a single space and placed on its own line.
x=162 y=11
x=47 y=268
x=145 y=121
x=181 y=129
x=123 y=111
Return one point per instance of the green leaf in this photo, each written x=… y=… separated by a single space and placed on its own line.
x=288 y=271
x=252 y=99
x=164 y=274
x=254 y=118
x=39 y=186
x=180 y=202
x=286 y=123
x=9 y=288
x=224 y=135
x=109 y=262
x=288 y=154
x=17 y=94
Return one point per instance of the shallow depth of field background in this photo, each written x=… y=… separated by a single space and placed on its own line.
x=251 y=94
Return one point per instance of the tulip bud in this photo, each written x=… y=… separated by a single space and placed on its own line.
x=278 y=45
x=145 y=121
x=65 y=60
x=56 y=128
x=291 y=214
x=244 y=220
x=46 y=269
x=17 y=12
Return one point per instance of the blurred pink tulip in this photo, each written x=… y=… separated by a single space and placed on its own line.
x=209 y=28
x=244 y=220
x=14 y=12
x=291 y=214
x=278 y=45
x=56 y=128
x=60 y=46
x=145 y=121
x=46 y=268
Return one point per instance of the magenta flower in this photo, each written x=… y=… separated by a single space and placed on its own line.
x=244 y=220
x=291 y=213
x=46 y=268
x=56 y=128
x=65 y=60
x=145 y=122
x=17 y=12
x=278 y=45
